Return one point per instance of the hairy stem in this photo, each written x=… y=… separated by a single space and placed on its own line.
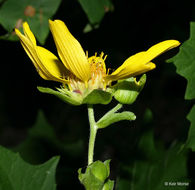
x=93 y=131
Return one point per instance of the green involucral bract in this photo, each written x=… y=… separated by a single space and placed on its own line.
x=126 y=91
x=95 y=176
x=64 y=95
x=76 y=99
x=97 y=97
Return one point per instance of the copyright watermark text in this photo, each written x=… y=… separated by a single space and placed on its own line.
x=176 y=183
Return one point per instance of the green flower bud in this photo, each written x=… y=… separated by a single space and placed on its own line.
x=99 y=170
x=95 y=176
x=126 y=91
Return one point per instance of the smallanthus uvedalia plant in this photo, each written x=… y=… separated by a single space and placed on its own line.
x=86 y=80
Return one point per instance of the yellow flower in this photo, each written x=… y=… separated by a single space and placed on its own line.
x=78 y=72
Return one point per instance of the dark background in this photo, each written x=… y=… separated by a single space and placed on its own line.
x=133 y=26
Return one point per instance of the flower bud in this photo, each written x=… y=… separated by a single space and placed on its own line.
x=96 y=176
x=99 y=170
x=126 y=91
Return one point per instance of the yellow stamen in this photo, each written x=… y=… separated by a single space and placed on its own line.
x=87 y=54
x=105 y=57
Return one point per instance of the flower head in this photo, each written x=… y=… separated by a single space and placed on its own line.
x=79 y=73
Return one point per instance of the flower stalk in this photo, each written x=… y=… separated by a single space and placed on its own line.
x=93 y=132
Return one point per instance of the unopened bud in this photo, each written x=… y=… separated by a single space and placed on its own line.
x=126 y=91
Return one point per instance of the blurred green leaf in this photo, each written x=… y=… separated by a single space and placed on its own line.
x=36 y=13
x=15 y=174
x=190 y=143
x=88 y=28
x=42 y=131
x=148 y=116
x=156 y=167
x=96 y=9
x=123 y=184
x=160 y=166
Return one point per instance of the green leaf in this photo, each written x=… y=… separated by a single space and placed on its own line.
x=185 y=62
x=15 y=174
x=185 y=66
x=148 y=116
x=190 y=143
x=161 y=165
x=70 y=98
x=95 y=176
x=41 y=132
x=96 y=9
x=36 y=13
x=97 y=97
x=157 y=166
x=89 y=27
x=123 y=184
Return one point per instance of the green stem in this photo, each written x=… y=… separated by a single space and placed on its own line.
x=93 y=131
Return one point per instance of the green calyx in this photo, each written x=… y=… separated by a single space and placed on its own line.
x=90 y=97
x=127 y=90
x=96 y=176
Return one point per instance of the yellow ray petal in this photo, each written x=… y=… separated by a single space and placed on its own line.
x=160 y=48
x=141 y=62
x=28 y=33
x=52 y=64
x=27 y=45
x=132 y=71
x=47 y=64
x=70 y=50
